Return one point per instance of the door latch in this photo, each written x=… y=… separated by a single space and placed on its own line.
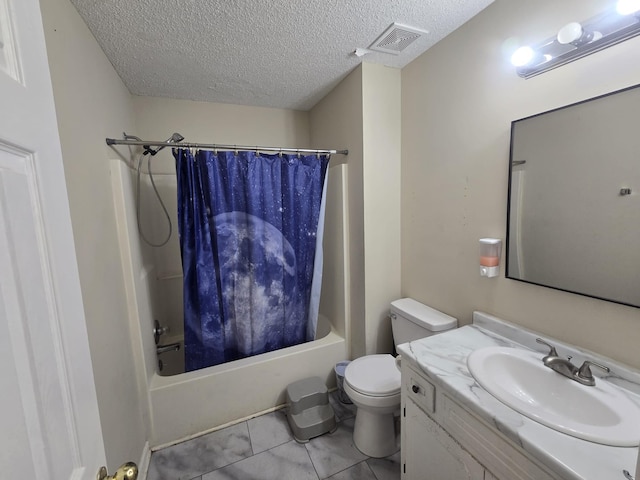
x=128 y=471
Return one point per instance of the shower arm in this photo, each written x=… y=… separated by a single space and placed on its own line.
x=216 y=146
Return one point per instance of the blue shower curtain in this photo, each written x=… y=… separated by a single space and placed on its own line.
x=250 y=226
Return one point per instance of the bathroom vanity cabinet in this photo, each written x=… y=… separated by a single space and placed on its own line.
x=454 y=429
x=430 y=452
x=441 y=440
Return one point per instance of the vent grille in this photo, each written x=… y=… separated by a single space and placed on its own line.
x=396 y=38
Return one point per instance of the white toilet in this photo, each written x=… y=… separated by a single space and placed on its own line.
x=373 y=381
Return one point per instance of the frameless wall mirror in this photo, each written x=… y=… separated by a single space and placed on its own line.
x=573 y=218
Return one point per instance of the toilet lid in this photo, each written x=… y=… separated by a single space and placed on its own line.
x=374 y=375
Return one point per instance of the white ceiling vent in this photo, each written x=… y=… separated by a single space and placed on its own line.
x=396 y=38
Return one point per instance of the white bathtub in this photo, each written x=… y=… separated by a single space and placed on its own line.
x=192 y=403
x=189 y=404
x=173 y=361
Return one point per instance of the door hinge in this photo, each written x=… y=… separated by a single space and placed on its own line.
x=404 y=468
x=404 y=411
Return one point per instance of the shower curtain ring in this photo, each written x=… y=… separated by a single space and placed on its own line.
x=280 y=153
x=257 y=151
x=235 y=150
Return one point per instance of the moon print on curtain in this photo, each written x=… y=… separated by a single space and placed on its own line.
x=250 y=226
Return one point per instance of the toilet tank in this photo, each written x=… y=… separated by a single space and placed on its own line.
x=412 y=320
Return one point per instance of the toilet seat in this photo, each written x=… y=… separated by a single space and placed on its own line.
x=374 y=375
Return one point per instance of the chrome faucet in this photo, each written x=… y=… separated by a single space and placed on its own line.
x=564 y=366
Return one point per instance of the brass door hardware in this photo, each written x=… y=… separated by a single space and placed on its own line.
x=128 y=471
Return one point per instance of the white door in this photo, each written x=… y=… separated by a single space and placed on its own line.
x=49 y=424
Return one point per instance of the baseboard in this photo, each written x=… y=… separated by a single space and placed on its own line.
x=219 y=427
x=143 y=465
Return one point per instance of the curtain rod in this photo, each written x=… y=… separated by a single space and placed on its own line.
x=216 y=146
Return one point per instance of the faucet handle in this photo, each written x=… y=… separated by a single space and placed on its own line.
x=158 y=331
x=552 y=349
x=584 y=371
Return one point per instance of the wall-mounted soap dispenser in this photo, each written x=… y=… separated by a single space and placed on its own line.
x=490 y=250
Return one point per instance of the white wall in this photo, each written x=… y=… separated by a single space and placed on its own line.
x=92 y=103
x=458 y=100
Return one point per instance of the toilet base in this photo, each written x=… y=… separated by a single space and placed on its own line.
x=374 y=434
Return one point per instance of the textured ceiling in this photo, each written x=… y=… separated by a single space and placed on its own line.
x=271 y=53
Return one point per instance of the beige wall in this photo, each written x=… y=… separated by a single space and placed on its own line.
x=362 y=114
x=92 y=103
x=204 y=122
x=381 y=174
x=458 y=100
x=336 y=122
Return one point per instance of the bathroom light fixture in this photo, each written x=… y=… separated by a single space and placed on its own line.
x=579 y=39
x=628 y=7
x=522 y=56
x=576 y=35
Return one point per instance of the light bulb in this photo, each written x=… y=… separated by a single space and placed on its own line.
x=522 y=56
x=628 y=7
x=570 y=33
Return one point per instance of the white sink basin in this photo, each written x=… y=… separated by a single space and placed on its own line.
x=601 y=414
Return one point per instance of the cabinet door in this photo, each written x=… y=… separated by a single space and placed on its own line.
x=431 y=454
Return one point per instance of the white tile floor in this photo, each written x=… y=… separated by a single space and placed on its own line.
x=263 y=449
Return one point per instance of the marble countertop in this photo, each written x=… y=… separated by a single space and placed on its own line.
x=443 y=359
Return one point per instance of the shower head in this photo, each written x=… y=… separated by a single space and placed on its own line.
x=175 y=138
